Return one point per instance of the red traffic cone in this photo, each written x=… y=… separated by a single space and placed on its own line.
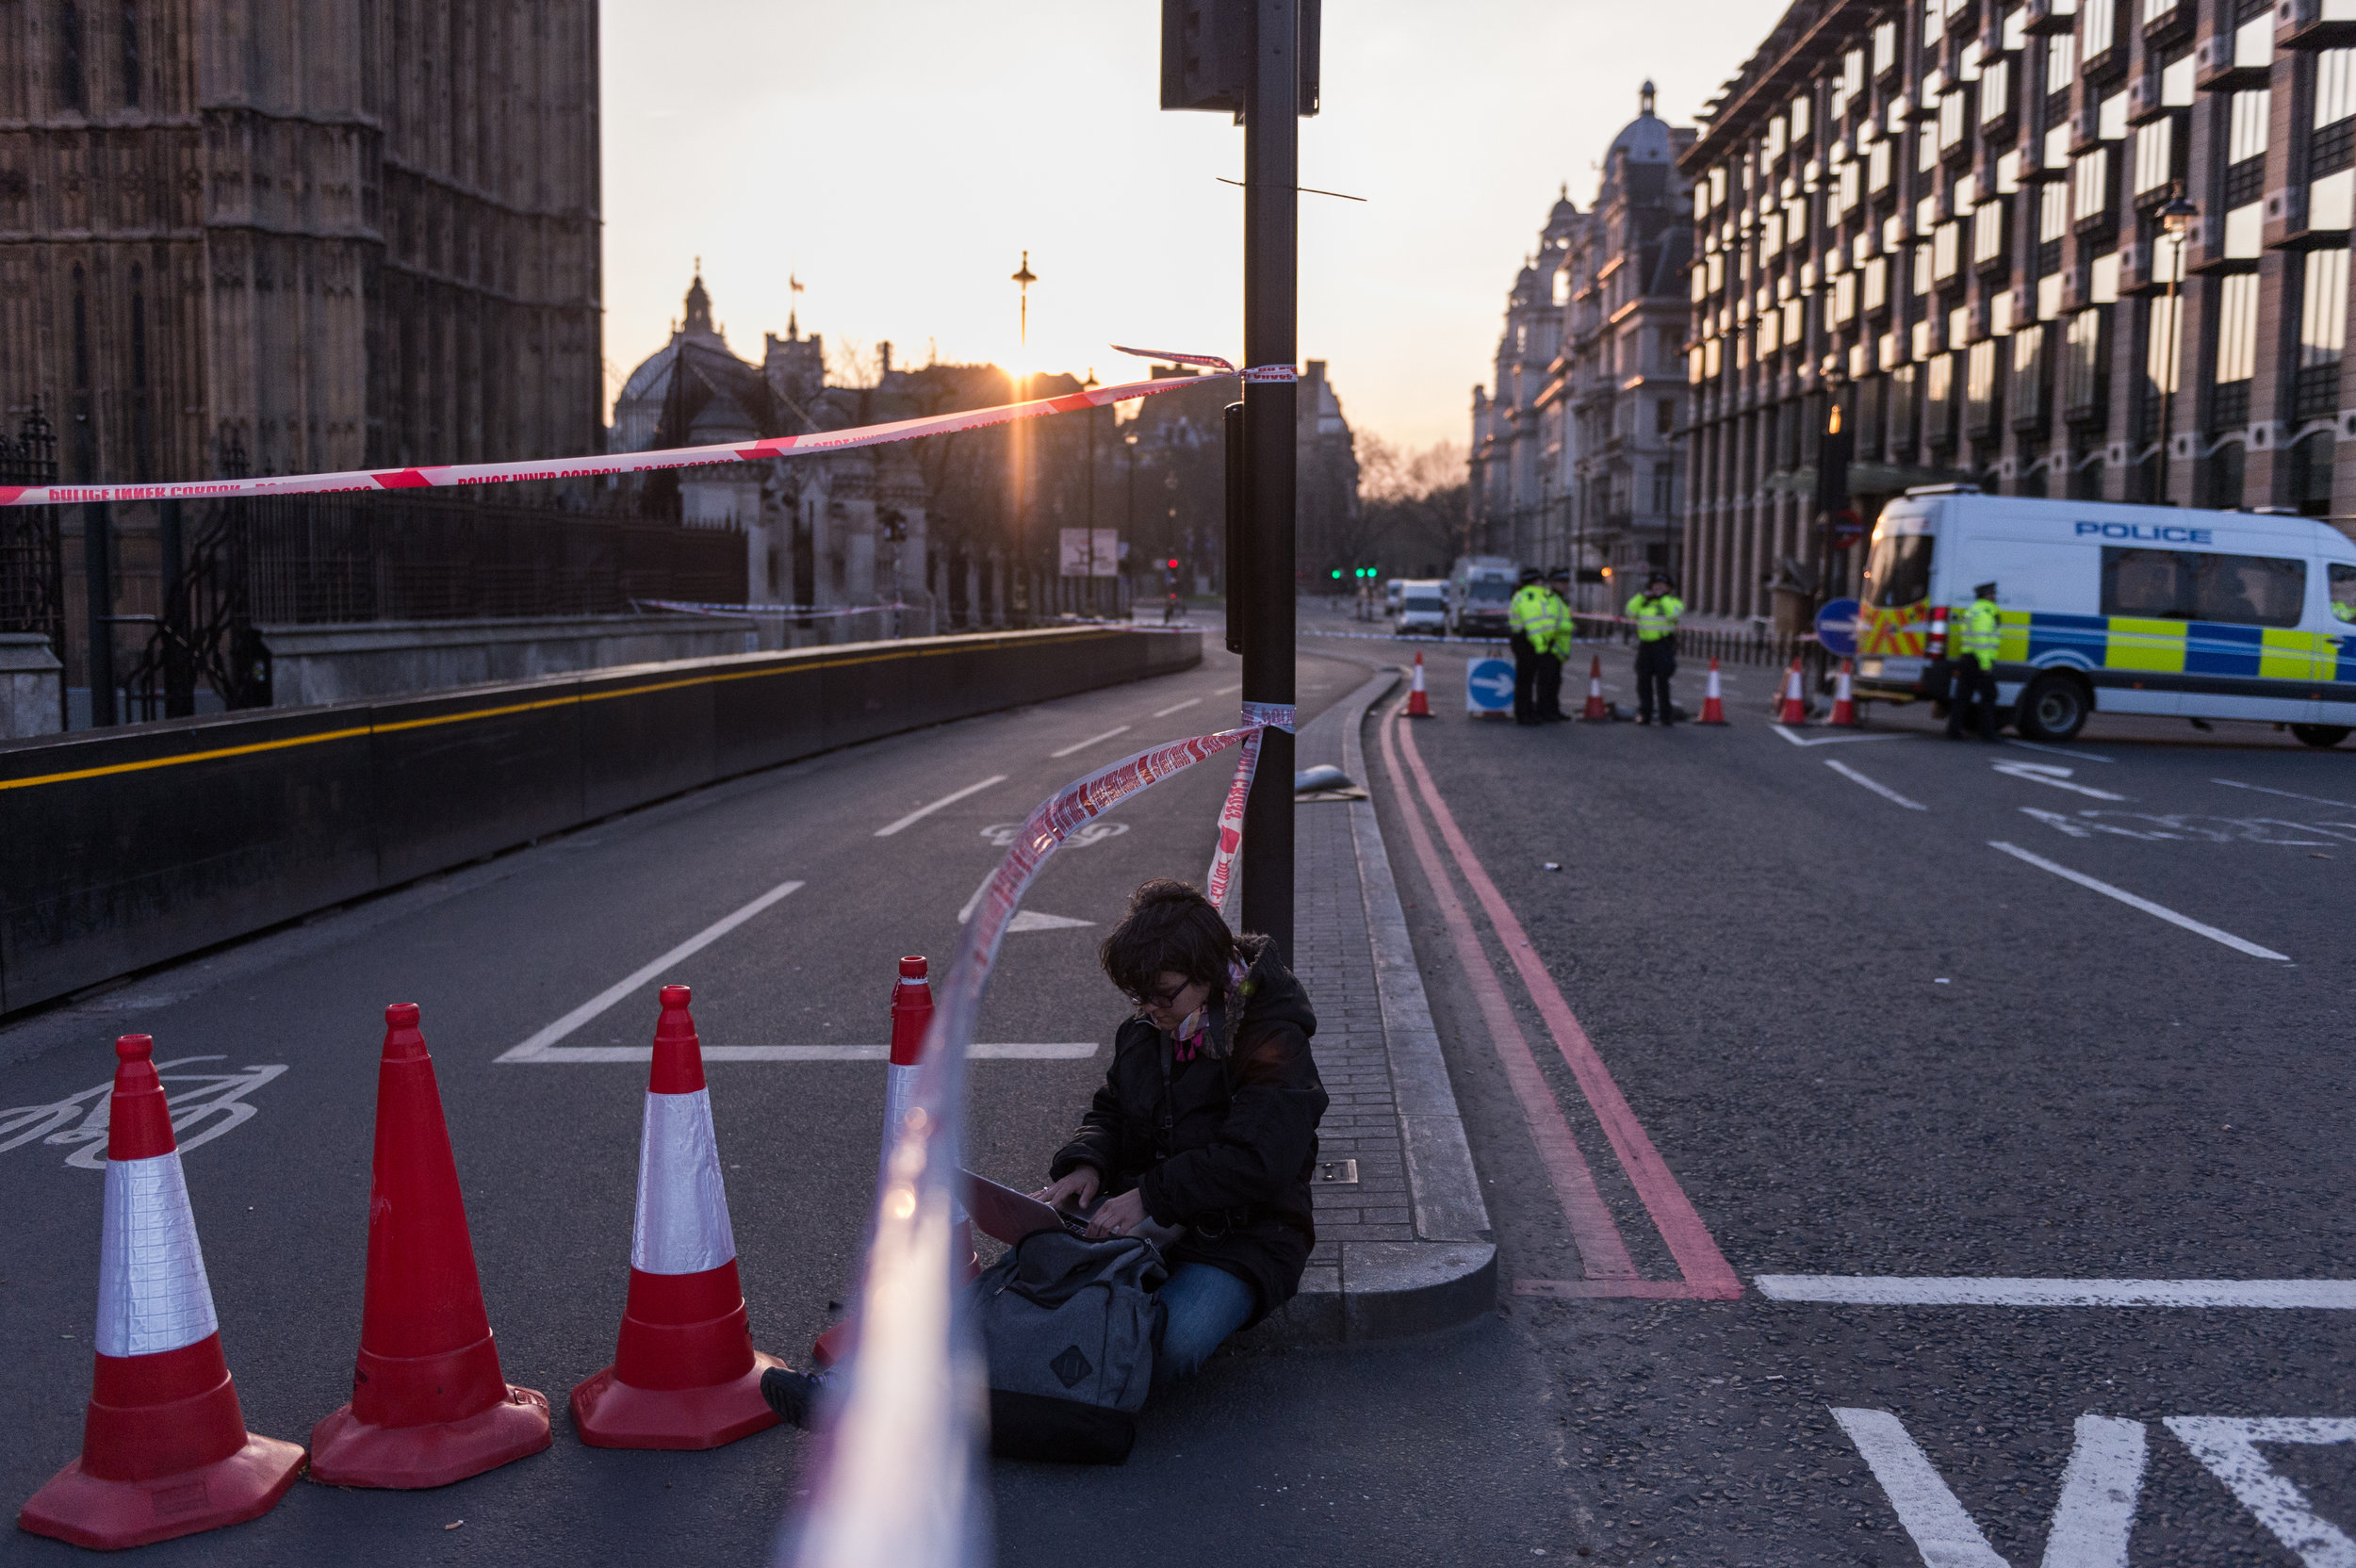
x=1418 y=706
x=429 y=1405
x=1793 y=708
x=911 y=1016
x=165 y=1451
x=1596 y=708
x=1714 y=705
x=1843 y=699
x=685 y=1374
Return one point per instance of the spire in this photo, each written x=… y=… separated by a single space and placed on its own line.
x=698 y=302
x=1645 y=97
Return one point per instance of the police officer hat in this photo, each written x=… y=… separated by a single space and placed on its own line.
x=1983 y=591
x=1529 y=575
x=1661 y=577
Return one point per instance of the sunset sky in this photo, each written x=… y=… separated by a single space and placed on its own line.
x=899 y=158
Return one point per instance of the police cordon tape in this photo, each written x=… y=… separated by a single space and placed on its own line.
x=912 y=1399
x=449 y=474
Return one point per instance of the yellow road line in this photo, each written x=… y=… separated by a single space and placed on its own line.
x=472 y=713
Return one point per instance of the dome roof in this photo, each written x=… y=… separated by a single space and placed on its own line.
x=1647 y=136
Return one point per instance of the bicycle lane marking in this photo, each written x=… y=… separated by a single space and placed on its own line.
x=1688 y=1240
x=1602 y=1252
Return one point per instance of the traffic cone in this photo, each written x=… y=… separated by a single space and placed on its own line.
x=1843 y=699
x=165 y=1451
x=1596 y=708
x=911 y=1016
x=1713 y=706
x=685 y=1374
x=1793 y=708
x=1419 y=706
x=429 y=1405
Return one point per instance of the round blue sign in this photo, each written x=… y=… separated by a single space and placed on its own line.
x=1489 y=686
x=1836 y=627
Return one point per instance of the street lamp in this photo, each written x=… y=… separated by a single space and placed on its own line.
x=2176 y=218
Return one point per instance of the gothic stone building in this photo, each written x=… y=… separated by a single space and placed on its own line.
x=1947 y=215
x=1576 y=454
x=329 y=235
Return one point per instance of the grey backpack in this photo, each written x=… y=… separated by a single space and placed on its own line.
x=1070 y=1327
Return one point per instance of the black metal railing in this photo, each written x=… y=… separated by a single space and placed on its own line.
x=32 y=556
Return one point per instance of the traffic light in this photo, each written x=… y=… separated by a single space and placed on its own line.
x=1337 y=571
x=1173 y=564
x=1207 y=48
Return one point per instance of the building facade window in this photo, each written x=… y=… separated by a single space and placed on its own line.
x=2322 y=334
x=2237 y=349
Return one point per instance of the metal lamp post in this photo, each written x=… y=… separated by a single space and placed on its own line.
x=1090 y=504
x=2176 y=219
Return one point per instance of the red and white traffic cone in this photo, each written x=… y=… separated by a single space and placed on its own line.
x=911 y=1018
x=1843 y=699
x=685 y=1374
x=1793 y=708
x=1714 y=704
x=165 y=1451
x=1418 y=706
x=1596 y=708
x=429 y=1403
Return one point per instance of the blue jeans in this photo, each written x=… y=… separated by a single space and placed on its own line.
x=1202 y=1306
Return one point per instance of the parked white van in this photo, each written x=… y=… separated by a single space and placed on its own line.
x=2114 y=609
x=1422 y=607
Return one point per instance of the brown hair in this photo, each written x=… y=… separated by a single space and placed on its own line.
x=1170 y=928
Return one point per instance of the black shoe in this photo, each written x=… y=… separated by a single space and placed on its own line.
x=793 y=1394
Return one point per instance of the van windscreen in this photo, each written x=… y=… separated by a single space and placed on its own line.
x=1490 y=589
x=1426 y=603
x=1899 y=571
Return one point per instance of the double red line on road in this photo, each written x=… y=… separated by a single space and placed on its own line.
x=1609 y=1270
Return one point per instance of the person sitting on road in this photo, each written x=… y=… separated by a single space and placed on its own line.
x=1206 y=1121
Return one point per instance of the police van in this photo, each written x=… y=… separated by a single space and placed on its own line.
x=2114 y=609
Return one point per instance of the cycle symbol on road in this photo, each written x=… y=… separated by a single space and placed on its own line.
x=1096 y=832
x=214 y=1102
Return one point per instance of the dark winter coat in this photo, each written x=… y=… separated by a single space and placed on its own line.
x=1228 y=1149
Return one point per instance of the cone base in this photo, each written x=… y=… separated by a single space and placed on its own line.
x=347 y=1451
x=610 y=1413
x=835 y=1344
x=106 y=1515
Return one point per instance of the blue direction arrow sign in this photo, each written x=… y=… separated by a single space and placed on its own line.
x=1489 y=686
x=1836 y=627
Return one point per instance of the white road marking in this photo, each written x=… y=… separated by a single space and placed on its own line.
x=216 y=1095
x=1031 y=920
x=2229 y=1447
x=2046 y=772
x=1926 y=1290
x=1882 y=789
x=1091 y=832
x=1070 y=1050
x=2057 y=751
x=2092 y=1517
x=539 y=1043
x=1787 y=732
x=1176 y=707
x=1225 y=691
x=1083 y=745
x=2162 y=910
x=2234 y=784
x=923 y=811
x=1942 y=1531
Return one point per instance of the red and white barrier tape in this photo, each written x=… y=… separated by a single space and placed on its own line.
x=914 y=1377
x=1260 y=716
x=453 y=474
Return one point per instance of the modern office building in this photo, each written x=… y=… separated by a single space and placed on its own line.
x=2069 y=248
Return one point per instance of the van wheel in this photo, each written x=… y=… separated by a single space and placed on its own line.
x=2053 y=707
x=2320 y=734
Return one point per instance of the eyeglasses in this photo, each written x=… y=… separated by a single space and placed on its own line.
x=1158 y=999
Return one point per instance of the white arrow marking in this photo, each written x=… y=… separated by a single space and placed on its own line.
x=2229 y=1447
x=2091 y=1518
x=2049 y=773
x=1882 y=789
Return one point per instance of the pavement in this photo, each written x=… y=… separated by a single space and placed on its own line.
x=1781 y=1029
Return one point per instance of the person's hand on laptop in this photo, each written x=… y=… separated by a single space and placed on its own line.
x=1118 y=1216
x=1074 y=1190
